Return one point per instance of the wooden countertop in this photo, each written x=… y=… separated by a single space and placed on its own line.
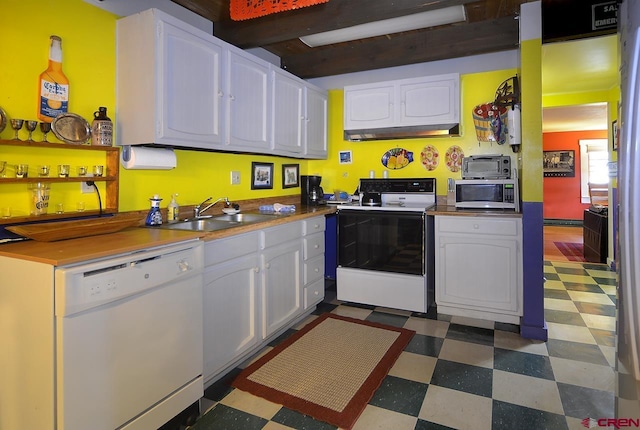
x=71 y=251
x=452 y=210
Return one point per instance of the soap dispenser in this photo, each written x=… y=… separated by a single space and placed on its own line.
x=154 y=217
x=173 y=210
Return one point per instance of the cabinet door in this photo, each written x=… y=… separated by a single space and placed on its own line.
x=188 y=84
x=288 y=113
x=316 y=124
x=478 y=272
x=281 y=285
x=248 y=103
x=370 y=106
x=231 y=312
x=428 y=101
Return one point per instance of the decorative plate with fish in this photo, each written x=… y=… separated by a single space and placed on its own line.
x=430 y=157
x=397 y=158
x=454 y=158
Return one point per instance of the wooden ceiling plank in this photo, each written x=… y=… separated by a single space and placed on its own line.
x=317 y=19
x=213 y=10
x=410 y=48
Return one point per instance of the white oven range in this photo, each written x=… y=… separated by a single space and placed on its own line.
x=385 y=245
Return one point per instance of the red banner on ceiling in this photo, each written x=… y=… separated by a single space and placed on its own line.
x=247 y=9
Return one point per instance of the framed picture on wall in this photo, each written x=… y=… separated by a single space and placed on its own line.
x=345 y=157
x=559 y=163
x=290 y=177
x=261 y=176
x=615 y=135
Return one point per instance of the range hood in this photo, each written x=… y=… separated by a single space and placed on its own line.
x=410 y=132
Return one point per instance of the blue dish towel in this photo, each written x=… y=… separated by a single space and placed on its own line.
x=277 y=207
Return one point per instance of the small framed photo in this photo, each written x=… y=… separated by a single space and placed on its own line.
x=615 y=135
x=261 y=176
x=290 y=175
x=345 y=157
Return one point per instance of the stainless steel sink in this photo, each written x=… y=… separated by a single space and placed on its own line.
x=244 y=217
x=219 y=222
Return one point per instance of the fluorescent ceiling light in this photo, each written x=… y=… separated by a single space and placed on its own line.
x=416 y=21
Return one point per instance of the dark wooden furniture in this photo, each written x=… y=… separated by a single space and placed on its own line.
x=595 y=236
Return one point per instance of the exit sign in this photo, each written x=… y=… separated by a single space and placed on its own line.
x=604 y=15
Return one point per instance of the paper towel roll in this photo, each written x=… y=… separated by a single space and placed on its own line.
x=141 y=157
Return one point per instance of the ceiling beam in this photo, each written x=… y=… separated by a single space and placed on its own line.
x=408 y=48
x=213 y=10
x=335 y=14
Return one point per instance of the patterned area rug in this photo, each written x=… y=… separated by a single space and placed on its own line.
x=573 y=251
x=328 y=370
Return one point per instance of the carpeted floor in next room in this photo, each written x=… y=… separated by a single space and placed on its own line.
x=467 y=374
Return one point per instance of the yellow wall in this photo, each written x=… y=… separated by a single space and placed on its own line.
x=477 y=88
x=88 y=43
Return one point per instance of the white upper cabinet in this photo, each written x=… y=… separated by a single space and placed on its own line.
x=249 y=95
x=169 y=79
x=315 y=145
x=288 y=112
x=179 y=86
x=407 y=102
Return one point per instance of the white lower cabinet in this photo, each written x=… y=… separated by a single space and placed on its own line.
x=478 y=267
x=256 y=285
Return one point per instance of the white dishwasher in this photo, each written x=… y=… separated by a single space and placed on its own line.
x=129 y=339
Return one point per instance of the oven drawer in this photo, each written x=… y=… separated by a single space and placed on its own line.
x=313 y=269
x=313 y=245
x=477 y=225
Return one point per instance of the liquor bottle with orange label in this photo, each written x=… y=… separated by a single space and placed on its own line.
x=53 y=90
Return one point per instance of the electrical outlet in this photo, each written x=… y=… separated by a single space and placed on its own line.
x=85 y=188
x=235 y=177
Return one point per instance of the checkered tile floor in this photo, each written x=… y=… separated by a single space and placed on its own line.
x=468 y=374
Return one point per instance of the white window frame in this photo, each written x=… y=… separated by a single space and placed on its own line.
x=584 y=165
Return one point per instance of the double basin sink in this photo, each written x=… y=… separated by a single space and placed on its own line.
x=220 y=222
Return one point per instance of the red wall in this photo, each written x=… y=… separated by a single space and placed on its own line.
x=562 y=195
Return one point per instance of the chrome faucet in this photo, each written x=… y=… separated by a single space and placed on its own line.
x=198 y=210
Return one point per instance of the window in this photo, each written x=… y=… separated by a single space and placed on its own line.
x=594 y=157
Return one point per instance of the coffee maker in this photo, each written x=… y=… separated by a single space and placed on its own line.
x=311 y=193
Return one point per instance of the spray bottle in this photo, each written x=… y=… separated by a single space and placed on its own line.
x=154 y=217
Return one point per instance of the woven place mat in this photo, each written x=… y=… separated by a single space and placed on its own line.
x=329 y=369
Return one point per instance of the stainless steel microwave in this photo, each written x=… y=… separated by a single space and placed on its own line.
x=487 y=194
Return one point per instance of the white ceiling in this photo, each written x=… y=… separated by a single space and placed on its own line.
x=582 y=66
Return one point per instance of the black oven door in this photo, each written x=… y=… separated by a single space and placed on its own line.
x=387 y=241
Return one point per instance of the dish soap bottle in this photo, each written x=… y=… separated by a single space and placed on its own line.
x=53 y=89
x=154 y=217
x=173 y=210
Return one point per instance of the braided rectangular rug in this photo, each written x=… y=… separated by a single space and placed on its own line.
x=329 y=369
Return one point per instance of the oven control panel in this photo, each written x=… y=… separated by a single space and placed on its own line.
x=400 y=185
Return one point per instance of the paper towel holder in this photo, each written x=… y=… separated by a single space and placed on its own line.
x=148 y=158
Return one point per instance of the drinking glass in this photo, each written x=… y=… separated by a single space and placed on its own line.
x=3 y=168
x=82 y=170
x=16 y=125
x=63 y=170
x=98 y=170
x=31 y=126
x=22 y=170
x=45 y=127
x=43 y=170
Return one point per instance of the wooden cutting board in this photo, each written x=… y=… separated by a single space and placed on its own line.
x=53 y=231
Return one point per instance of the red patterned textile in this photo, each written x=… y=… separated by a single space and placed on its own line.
x=247 y=9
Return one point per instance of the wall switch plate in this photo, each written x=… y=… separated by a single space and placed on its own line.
x=235 y=177
x=86 y=189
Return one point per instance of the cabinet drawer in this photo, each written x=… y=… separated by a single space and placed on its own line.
x=478 y=225
x=313 y=294
x=313 y=225
x=281 y=234
x=226 y=249
x=313 y=245
x=313 y=270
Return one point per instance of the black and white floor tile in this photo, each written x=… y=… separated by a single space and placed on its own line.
x=460 y=373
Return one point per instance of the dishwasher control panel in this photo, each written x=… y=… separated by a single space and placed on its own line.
x=97 y=283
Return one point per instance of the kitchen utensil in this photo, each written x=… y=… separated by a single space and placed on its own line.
x=45 y=127
x=71 y=128
x=16 y=125
x=31 y=126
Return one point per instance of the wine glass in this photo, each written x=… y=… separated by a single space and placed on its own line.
x=31 y=126
x=45 y=127
x=16 y=124
x=3 y=167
